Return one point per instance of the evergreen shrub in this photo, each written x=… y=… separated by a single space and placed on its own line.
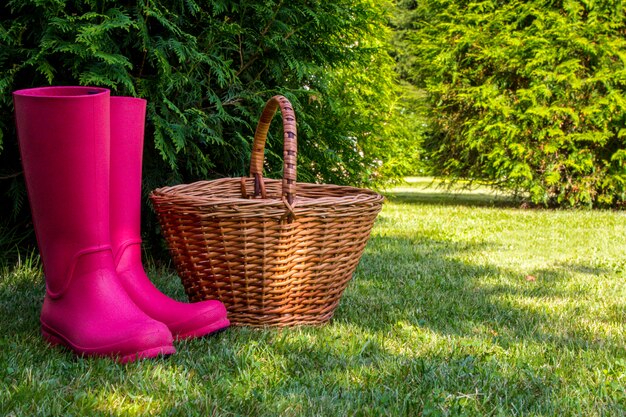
x=528 y=96
x=206 y=69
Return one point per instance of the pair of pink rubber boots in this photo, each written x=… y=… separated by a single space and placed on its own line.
x=81 y=152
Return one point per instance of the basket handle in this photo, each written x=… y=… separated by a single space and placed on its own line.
x=290 y=147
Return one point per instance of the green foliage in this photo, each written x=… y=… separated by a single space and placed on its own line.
x=206 y=69
x=529 y=96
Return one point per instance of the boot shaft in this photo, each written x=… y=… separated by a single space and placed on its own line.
x=64 y=134
x=127 y=133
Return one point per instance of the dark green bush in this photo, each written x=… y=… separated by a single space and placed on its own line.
x=206 y=69
x=528 y=96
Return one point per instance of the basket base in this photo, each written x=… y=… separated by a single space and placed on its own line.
x=278 y=320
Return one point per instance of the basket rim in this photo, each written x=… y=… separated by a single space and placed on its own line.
x=182 y=194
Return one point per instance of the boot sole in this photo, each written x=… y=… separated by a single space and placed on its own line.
x=210 y=329
x=55 y=339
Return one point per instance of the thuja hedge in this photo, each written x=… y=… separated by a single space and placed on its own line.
x=529 y=96
x=206 y=69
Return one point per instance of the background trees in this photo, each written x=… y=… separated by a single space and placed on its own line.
x=528 y=96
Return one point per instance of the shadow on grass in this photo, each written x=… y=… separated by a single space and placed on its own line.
x=428 y=190
x=426 y=283
x=21 y=297
x=473 y=199
x=584 y=268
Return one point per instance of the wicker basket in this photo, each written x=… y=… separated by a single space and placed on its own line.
x=276 y=253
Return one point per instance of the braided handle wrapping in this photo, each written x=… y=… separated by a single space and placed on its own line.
x=290 y=147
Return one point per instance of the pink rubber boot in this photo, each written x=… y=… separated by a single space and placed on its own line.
x=64 y=142
x=184 y=320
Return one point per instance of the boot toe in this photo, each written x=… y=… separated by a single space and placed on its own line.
x=127 y=343
x=147 y=341
x=200 y=319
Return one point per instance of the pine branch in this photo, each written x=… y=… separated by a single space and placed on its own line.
x=9 y=176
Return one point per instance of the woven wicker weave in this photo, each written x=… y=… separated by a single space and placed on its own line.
x=277 y=253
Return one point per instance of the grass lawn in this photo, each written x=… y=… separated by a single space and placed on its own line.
x=463 y=304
